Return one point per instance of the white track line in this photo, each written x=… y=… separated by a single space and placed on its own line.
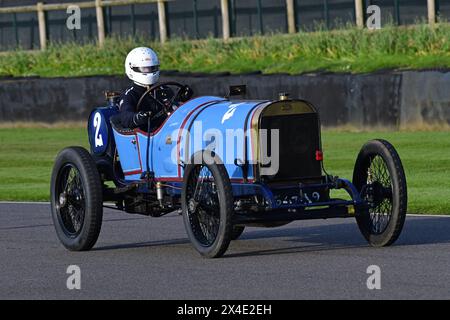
x=23 y=202
x=428 y=215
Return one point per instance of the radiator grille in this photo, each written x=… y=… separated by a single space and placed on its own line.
x=299 y=139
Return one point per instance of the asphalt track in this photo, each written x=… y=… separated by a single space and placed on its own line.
x=150 y=258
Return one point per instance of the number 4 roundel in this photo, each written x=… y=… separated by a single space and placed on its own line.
x=98 y=133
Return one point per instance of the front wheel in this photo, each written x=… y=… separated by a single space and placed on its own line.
x=381 y=181
x=207 y=205
x=76 y=199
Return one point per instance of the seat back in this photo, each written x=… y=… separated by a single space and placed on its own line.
x=128 y=149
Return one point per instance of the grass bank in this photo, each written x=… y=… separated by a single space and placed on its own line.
x=344 y=50
x=26 y=159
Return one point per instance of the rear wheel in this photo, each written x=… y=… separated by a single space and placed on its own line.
x=381 y=181
x=207 y=205
x=76 y=199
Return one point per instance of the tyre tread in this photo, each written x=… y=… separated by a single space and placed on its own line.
x=392 y=235
x=95 y=203
x=219 y=248
x=402 y=190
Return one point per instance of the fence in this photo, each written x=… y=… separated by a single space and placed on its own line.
x=32 y=24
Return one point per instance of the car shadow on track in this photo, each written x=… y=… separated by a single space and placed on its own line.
x=421 y=231
x=147 y=244
x=417 y=231
x=329 y=237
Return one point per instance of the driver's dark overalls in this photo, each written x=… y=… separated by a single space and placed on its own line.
x=128 y=106
x=132 y=146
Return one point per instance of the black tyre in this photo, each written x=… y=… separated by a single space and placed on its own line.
x=207 y=205
x=237 y=232
x=76 y=199
x=381 y=181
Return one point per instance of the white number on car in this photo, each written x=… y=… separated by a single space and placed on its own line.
x=98 y=136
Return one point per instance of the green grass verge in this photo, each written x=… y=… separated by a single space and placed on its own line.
x=425 y=159
x=344 y=50
x=26 y=159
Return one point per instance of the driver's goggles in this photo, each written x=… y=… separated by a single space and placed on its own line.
x=151 y=69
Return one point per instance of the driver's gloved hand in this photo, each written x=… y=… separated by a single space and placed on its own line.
x=141 y=118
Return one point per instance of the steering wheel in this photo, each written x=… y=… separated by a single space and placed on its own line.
x=174 y=98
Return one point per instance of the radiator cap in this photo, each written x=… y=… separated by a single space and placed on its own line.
x=283 y=96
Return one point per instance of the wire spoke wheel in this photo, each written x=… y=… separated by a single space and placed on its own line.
x=203 y=205
x=76 y=199
x=378 y=194
x=71 y=201
x=380 y=178
x=207 y=206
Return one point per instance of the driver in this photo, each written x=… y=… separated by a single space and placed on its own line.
x=142 y=67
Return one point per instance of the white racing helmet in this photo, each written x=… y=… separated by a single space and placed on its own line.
x=142 y=66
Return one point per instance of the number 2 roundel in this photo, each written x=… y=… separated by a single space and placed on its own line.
x=98 y=133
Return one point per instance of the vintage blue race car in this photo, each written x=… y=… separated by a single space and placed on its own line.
x=223 y=163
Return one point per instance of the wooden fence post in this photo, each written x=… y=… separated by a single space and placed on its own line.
x=225 y=19
x=431 y=12
x=162 y=21
x=100 y=22
x=259 y=10
x=359 y=13
x=42 y=26
x=16 y=29
x=290 y=11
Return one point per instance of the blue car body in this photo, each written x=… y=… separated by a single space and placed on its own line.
x=174 y=144
x=222 y=164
